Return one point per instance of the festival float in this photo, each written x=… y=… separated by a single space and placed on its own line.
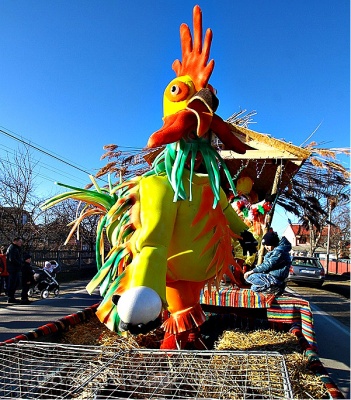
x=176 y=318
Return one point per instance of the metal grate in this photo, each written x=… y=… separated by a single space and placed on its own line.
x=33 y=370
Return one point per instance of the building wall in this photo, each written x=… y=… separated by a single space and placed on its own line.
x=289 y=234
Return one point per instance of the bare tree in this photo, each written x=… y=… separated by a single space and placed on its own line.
x=340 y=232
x=56 y=226
x=21 y=215
x=320 y=185
x=19 y=203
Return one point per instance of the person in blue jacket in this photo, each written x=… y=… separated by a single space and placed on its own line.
x=270 y=276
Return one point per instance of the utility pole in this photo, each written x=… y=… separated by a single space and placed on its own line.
x=331 y=205
x=328 y=237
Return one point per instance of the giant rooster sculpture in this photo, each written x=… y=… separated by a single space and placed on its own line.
x=170 y=230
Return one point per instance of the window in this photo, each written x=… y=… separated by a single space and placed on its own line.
x=302 y=240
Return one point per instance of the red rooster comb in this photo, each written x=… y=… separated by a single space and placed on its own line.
x=194 y=55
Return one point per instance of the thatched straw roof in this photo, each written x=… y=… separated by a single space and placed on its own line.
x=261 y=163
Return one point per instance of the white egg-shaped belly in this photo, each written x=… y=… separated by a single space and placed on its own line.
x=139 y=305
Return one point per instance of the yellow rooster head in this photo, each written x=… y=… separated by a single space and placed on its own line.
x=189 y=102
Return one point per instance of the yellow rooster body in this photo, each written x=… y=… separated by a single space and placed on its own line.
x=170 y=230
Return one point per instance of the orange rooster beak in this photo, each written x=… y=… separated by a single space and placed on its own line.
x=196 y=119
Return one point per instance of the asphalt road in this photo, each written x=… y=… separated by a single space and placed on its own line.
x=331 y=314
x=332 y=298
x=16 y=319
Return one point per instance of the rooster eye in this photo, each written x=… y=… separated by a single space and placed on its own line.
x=177 y=91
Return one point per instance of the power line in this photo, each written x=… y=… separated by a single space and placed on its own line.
x=41 y=175
x=45 y=166
x=48 y=153
x=26 y=169
x=42 y=151
x=12 y=135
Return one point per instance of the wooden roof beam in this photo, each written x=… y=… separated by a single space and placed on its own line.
x=260 y=155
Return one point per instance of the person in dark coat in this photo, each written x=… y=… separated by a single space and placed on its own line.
x=4 y=275
x=270 y=276
x=27 y=278
x=14 y=261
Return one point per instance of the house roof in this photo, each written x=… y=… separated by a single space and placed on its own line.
x=263 y=159
x=299 y=230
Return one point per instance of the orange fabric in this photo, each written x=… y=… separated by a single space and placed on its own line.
x=225 y=135
x=175 y=126
x=182 y=295
x=184 y=320
x=205 y=206
x=174 y=341
x=3 y=266
x=195 y=56
x=180 y=340
x=221 y=236
x=104 y=310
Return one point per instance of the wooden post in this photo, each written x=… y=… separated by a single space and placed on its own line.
x=269 y=219
x=328 y=238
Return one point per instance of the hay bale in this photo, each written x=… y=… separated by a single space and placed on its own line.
x=305 y=384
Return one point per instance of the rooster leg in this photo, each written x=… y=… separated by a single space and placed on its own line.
x=182 y=295
x=173 y=341
x=186 y=315
x=190 y=339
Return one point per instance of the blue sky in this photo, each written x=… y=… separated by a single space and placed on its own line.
x=76 y=75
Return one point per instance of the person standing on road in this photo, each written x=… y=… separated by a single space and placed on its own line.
x=4 y=275
x=27 y=278
x=14 y=260
x=270 y=276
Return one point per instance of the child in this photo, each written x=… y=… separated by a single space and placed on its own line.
x=48 y=267
x=269 y=277
x=27 y=278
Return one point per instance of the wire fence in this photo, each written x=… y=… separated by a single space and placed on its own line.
x=30 y=370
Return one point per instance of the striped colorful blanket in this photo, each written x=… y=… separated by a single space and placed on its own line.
x=283 y=309
x=227 y=296
x=294 y=311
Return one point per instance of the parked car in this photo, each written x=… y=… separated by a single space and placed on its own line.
x=306 y=270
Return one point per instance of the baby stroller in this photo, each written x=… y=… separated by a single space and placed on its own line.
x=45 y=281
